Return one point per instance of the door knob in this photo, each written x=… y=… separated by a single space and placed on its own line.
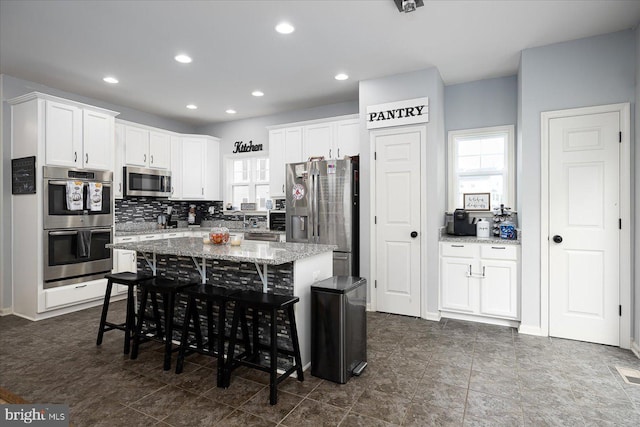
x=414 y=234
x=557 y=239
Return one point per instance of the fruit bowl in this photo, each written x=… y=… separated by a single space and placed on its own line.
x=219 y=236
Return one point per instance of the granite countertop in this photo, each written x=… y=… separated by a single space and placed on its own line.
x=270 y=253
x=475 y=239
x=138 y=232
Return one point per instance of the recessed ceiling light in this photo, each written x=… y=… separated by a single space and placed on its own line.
x=341 y=76
x=285 y=28
x=192 y=107
x=111 y=80
x=230 y=111
x=183 y=59
x=257 y=93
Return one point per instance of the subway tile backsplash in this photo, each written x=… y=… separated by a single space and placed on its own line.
x=147 y=209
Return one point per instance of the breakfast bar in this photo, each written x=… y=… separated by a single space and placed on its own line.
x=271 y=267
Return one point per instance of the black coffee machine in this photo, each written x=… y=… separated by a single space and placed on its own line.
x=461 y=225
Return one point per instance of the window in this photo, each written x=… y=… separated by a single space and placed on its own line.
x=482 y=161
x=248 y=181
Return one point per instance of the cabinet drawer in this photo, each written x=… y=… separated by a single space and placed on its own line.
x=173 y=235
x=151 y=237
x=467 y=250
x=74 y=294
x=498 y=251
x=125 y=239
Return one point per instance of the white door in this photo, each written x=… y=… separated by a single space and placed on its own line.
x=318 y=141
x=98 y=132
x=458 y=290
x=347 y=138
x=194 y=152
x=63 y=133
x=499 y=288
x=136 y=148
x=398 y=232
x=276 y=162
x=583 y=227
x=176 y=168
x=159 y=150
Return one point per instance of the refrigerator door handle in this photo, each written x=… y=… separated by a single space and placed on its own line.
x=316 y=214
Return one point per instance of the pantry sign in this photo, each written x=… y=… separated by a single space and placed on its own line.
x=398 y=113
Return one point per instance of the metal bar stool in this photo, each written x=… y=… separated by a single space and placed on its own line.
x=168 y=289
x=130 y=280
x=271 y=304
x=214 y=346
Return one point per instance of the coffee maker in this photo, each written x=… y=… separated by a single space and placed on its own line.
x=461 y=224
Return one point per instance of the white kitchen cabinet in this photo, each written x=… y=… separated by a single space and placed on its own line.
x=479 y=280
x=212 y=169
x=332 y=140
x=176 y=168
x=147 y=148
x=194 y=155
x=124 y=260
x=78 y=137
x=118 y=162
x=285 y=146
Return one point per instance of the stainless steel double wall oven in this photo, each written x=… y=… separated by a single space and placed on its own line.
x=74 y=240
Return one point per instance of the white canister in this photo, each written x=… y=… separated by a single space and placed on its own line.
x=483 y=229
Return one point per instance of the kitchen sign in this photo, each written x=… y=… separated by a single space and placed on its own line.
x=399 y=113
x=241 y=147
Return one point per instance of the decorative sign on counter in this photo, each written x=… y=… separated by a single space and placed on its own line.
x=23 y=175
x=398 y=113
x=241 y=147
x=477 y=201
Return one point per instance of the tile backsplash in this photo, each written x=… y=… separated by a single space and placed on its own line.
x=147 y=209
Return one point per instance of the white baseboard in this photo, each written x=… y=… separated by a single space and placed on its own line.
x=531 y=330
x=635 y=348
x=433 y=316
x=6 y=311
x=480 y=319
x=369 y=306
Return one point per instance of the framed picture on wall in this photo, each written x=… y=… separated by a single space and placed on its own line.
x=477 y=201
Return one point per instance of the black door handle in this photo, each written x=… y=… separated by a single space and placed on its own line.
x=414 y=234
x=557 y=239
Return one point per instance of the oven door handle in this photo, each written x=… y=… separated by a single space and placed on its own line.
x=63 y=233
x=64 y=182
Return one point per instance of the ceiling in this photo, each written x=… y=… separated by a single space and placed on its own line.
x=72 y=45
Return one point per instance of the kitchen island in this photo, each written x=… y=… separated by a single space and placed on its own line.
x=282 y=268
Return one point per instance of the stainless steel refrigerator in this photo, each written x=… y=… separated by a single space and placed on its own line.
x=322 y=207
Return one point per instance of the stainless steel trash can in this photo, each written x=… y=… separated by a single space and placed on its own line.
x=338 y=328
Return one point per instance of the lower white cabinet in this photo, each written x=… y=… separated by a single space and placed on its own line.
x=74 y=294
x=124 y=260
x=480 y=279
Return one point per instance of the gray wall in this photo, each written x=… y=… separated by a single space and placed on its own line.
x=13 y=87
x=395 y=88
x=636 y=278
x=483 y=103
x=586 y=72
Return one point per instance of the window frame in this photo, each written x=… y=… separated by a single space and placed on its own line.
x=509 y=172
x=251 y=184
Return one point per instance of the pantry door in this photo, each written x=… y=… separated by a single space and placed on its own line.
x=584 y=227
x=397 y=219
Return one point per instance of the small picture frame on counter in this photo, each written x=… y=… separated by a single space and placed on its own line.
x=477 y=201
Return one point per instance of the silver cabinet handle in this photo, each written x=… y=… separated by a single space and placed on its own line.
x=133 y=257
x=145 y=158
x=498 y=247
x=172 y=189
x=329 y=152
x=152 y=159
x=457 y=246
x=203 y=191
x=75 y=156
x=81 y=286
x=86 y=158
x=119 y=187
x=338 y=153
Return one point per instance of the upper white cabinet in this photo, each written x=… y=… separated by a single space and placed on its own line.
x=78 y=136
x=147 y=148
x=200 y=175
x=176 y=168
x=285 y=146
x=118 y=161
x=331 y=139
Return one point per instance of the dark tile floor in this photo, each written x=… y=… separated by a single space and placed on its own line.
x=420 y=373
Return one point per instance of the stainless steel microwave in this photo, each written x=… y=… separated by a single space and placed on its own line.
x=146 y=182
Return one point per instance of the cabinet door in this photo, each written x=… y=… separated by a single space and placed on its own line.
x=98 y=137
x=458 y=291
x=159 y=150
x=136 y=146
x=212 y=170
x=63 y=135
x=176 y=168
x=124 y=261
x=194 y=153
x=293 y=145
x=499 y=288
x=118 y=161
x=319 y=141
x=276 y=163
x=347 y=142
